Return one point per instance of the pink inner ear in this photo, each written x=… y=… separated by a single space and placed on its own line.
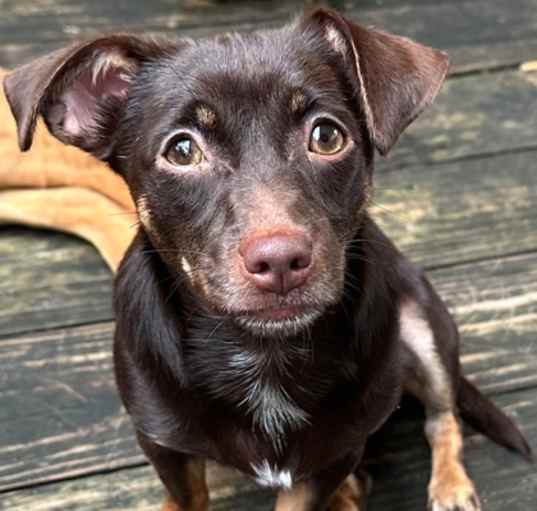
x=89 y=90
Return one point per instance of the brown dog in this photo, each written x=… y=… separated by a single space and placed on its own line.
x=263 y=319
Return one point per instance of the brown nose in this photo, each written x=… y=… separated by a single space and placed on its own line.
x=277 y=263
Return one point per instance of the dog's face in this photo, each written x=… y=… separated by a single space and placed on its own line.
x=249 y=172
x=249 y=156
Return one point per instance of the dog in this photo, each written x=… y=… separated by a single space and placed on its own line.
x=264 y=320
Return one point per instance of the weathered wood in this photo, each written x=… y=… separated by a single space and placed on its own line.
x=466 y=210
x=478 y=34
x=59 y=411
x=49 y=279
x=60 y=415
x=495 y=306
x=472 y=116
x=133 y=489
x=482 y=34
x=400 y=475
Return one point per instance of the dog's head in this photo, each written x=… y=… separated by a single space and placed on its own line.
x=249 y=156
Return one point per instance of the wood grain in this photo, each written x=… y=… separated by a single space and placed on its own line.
x=59 y=412
x=479 y=34
x=49 y=279
x=473 y=116
x=400 y=476
x=467 y=210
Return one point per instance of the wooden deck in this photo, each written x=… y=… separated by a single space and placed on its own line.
x=459 y=195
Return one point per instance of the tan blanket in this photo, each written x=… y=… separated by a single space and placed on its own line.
x=59 y=187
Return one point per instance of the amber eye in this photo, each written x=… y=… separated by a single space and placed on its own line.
x=183 y=151
x=326 y=138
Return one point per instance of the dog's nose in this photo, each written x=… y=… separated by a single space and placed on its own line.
x=277 y=263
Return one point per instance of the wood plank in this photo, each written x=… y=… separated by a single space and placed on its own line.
x=465 y=210
x=60 y=416
x=481 y=33
x=132 y=489
x=473 y=116
x=59 y=413
x=478 y=34
x=495 y=305
x=400 y=476
x=49 y=279
x=24 y=21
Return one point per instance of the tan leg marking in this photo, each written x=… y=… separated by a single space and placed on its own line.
x=299 y=498
x=450 y=488
x=199 y=491
x=351 y=495
x=169 y=505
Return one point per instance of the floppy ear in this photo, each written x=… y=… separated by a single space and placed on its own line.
x=80 y=90
x=396 y=77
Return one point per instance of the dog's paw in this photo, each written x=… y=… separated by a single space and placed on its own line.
x=457 y=495
x=351 y=495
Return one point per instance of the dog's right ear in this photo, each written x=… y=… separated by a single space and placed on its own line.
x=80 y=90
x=396 y=78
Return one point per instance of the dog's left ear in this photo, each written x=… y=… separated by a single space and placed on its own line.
x=80 y=91
x=396 y=77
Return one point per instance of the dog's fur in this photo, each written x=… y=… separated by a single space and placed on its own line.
x=205 y=363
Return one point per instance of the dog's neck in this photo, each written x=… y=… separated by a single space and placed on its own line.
x=277 y=382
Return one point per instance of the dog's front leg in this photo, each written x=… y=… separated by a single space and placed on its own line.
x=336 y=489
x=182 y=475
x=450 y=488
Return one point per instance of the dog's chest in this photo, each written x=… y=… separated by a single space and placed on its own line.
x=263 y=413
x=293 y=457
x=260 y=386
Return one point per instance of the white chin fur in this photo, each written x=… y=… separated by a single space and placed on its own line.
x=278 y=328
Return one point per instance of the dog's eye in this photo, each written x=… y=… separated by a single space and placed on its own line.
x=326 y=138
x=183 y=151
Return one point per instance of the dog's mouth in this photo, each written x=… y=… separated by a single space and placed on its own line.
x=278 y=321
x=276 y=314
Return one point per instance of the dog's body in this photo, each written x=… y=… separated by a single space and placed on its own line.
x=263 y=319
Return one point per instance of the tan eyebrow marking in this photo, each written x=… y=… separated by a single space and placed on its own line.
x=298 y=102
x=206 y=117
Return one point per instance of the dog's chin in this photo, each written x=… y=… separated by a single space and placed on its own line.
x=278 y=323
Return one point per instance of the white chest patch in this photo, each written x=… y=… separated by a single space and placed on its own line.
x=273 y=410
x=272 y=477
